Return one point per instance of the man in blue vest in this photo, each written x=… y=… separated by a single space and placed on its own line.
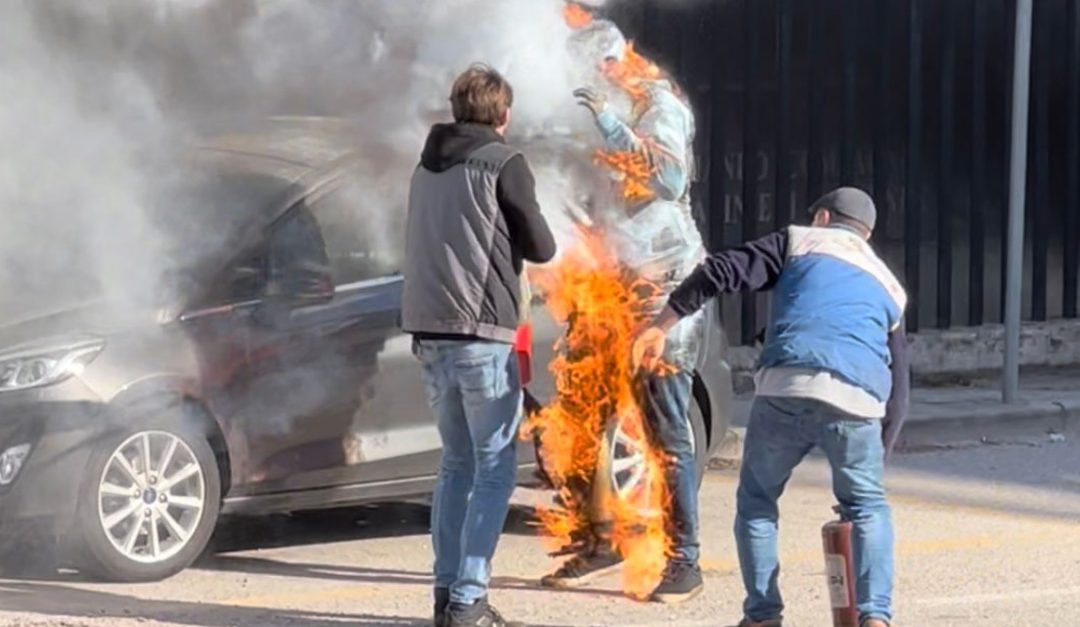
x=833 y=371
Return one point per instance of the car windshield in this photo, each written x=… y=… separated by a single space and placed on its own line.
x=153 y=259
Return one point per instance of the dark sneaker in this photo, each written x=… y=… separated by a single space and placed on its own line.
x=772 y=622
x=581 y=569
x=479 y=614
x=442 y=602
x=681 y=582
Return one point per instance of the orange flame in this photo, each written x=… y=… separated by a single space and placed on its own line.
x=632 y=171
x=603 y=306
x=632 y=71
x=576 y=16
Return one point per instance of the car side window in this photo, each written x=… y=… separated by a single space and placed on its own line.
x=243 y=279
x=364 y=231
x=298 y=266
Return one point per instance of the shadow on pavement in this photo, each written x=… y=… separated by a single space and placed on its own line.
x=386 y=520
x=50 y=599
x=329 y=572
x=363 y=575
x=58 y=600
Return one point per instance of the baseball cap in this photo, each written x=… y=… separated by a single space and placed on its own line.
x=849 y=202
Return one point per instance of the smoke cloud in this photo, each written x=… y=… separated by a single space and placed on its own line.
x=103 y=98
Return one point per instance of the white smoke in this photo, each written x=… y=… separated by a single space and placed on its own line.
x=99 y=96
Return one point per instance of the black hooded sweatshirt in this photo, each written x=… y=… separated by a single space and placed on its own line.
x=528 y=236
x=450 y=144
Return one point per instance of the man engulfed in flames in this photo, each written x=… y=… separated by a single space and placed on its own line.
x=617 y=278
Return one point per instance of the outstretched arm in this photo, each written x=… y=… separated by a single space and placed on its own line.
x=752 y=267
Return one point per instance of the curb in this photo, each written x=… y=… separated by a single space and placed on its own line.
x=955 y=426
x=991 y=424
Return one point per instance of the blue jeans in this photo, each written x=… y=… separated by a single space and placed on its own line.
x=781 y=432
x=666 y=402
x=475 y=390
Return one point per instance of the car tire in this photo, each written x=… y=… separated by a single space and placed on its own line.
x=701 y=438
x=166 y=517
x=618 y=474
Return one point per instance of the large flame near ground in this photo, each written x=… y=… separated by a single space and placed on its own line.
x=603 y=307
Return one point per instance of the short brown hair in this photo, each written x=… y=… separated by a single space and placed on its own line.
x=481 y=95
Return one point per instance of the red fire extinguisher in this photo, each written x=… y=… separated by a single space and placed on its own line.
x=840 y=571
x=523 y=341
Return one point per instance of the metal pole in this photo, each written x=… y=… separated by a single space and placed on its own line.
x=1014 y=274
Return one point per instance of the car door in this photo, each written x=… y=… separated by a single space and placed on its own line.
x=299 y=383
x=391 y=432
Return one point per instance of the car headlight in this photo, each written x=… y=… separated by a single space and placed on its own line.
x=45 y=366
x=11 y=462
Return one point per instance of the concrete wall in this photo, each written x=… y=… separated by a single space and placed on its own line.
x=937 y=354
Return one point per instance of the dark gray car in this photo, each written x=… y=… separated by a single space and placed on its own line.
x=276 y=378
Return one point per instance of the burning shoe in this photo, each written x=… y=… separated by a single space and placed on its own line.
x=582 y=569
x=479 y=614
x=681 y=582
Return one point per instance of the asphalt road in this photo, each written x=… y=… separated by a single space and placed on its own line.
x=986 y=536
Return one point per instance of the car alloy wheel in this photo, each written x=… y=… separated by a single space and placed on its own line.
x=628 y=467
x=151 y=496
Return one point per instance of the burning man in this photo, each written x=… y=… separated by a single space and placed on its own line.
x=833 y=374
x=473 y=220
x=653 y=234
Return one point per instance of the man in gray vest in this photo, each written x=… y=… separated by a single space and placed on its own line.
x=473 y=221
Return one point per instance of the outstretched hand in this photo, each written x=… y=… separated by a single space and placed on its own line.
x=649 y=346
x=648 y=349
x=591 y=99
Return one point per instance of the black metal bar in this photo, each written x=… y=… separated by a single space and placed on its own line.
x=882 y=106
x=783 y=204
x=1071 y=258
x=1040 y=236
x=913 y=206
x=749 y=160
x=814 y=130
x=717 y=142
x=851 y=68
x=977 y=259
x=945 y=205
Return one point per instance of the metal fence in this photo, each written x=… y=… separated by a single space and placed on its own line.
x=908 y=99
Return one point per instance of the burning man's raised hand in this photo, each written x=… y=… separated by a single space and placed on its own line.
x=591 y=99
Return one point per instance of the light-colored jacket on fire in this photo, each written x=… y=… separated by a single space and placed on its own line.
x=659 y=239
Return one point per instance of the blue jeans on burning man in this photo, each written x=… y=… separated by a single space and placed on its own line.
x=781 y=432
x=666 y=402
x=475 y=389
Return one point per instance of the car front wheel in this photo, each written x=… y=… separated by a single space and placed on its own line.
x=149 y=503
x=626 y=465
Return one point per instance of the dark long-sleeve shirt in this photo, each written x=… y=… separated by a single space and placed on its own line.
x=757 y=266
